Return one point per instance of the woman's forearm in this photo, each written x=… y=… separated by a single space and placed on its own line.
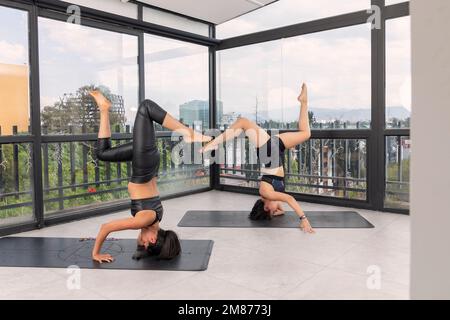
x=102 y=235
x=294 y=205
x=105 y=129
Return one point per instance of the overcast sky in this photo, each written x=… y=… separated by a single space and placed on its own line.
x=335 y=64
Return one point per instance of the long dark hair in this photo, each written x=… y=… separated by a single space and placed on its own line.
x=171 y=246
x=258 y=212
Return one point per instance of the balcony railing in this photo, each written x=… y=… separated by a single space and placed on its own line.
x=73 y=177
x=326 y=167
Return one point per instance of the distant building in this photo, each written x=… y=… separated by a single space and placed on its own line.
x=14 y=96
x=89 y=115
x=196 y=113
x=228 y=119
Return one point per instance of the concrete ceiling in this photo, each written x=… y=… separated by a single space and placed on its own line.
x=214 y=11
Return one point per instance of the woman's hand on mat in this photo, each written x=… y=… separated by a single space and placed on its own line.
x=102 y=258
x=306 y=227
x=303 y=97
x=103 y=103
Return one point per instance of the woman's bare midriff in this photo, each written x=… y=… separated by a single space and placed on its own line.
x=143 y=190
x=279 y=172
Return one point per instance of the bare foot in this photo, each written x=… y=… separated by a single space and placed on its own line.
x=303 y=97
x=103 y=103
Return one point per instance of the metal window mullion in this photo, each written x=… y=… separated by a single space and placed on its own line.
x=399 y=159
x=376 y=151
x=38 y=195
x=108 y=21
x=178 y=14
x=214 y=168
x=397 y=132
x=397 y=10
x=325 y=24
x=141 y=58
x=22 y=5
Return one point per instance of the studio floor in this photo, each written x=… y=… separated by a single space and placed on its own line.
x=257 y=264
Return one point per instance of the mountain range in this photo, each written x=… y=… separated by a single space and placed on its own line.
x=327 y=114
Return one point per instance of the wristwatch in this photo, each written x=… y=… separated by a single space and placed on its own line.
x=303 y=217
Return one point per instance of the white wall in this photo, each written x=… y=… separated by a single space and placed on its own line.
x=430 y=180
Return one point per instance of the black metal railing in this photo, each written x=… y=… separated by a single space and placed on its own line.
x=331 y=167
x=71 y=173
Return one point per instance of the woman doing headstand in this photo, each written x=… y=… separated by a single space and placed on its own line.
x=146 y=207
x=271 y=156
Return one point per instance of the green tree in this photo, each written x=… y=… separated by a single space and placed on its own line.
x=79 y=111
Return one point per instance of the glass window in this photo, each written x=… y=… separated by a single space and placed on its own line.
x=398 y=73
x=174 y=21
x=75 y=59
x=74 y=178
x=262 y=81
x=329 y=167
x=337 y=66
x=177 y=78
x=287 y=12
x=14 y=72
x=16 y=176
x=176 y=177
x=123 y=8
x=398 y=159
x=249 y=84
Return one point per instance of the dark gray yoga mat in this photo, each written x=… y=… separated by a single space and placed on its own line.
x=239 y=219
x=65 y=252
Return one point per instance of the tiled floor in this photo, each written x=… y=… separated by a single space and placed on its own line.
x=245 y=263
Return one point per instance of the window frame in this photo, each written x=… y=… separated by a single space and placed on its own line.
x=375 y=137
x=56 y=10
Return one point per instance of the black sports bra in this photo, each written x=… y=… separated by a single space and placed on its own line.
x=271 y=154
x=148 y=204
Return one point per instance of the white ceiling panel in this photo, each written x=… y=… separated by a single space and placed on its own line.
x=215 y=11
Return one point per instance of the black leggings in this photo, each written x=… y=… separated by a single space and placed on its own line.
x=143 y=151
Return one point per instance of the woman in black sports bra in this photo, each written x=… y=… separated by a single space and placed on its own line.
x=146 y=207
x=270 y=152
